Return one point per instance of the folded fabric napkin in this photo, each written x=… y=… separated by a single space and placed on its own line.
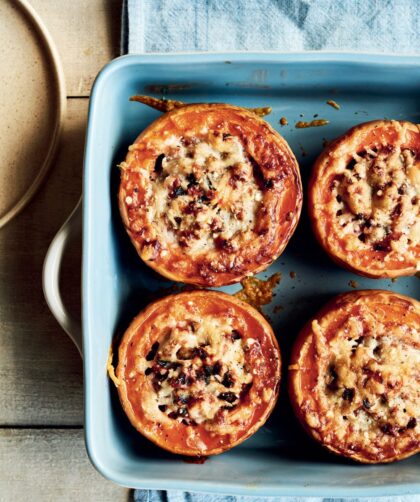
x=283 y=25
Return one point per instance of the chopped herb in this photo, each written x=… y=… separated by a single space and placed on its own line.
x=412 y=423
x=235 y=335
x=151 y=355
x=191 y=180
x=228 y=380
x=230 y=397
x=348 y=394
x=161 y=377
x=200 y=352
x=158 y=164
x=182 y=412
x=164 y=364
x=177 y=192
x=217 y=368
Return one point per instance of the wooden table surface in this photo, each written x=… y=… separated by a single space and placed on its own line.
x=42 y=452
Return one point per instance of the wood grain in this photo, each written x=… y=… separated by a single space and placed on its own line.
x=51 y=465
x=40 y=370
x=41 y=381
x=87 y=36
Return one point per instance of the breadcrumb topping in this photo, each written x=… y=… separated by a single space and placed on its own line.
x=376 y=200
x=204 y=193
x=198 y=372
x=366 y=396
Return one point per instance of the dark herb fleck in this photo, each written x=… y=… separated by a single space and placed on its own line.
x=156 y=385
x=176 y=192
x=183 y=399
x=200 y=352
x=182 y=412
x=217 y=368
x=191 y=180
x=235 y=335
x=333 y=383
x=161 y=377
x=203 y=199
x=268 y=183
x=387 y=429
x=380 y=247
x=202 y=375
x=151 y=355
x=164 y=364
x=158 y=163
x=348 y=394
x=351 y=164
x=183 y=379
x=228 y=380
x=412 y=423
x=208 y=370
x=230 y=397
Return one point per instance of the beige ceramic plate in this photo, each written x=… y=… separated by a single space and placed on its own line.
x=32 y=105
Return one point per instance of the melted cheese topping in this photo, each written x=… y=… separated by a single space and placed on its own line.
x=376 y=201
x=204 y=194
x=198 y=372
x=368 y=386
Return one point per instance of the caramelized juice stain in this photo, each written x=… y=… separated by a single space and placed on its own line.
x=258 y=292
x=313 y=123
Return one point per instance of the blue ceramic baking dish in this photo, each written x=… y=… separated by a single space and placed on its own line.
x=278 y=460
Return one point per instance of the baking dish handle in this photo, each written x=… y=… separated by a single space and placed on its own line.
x=51 y=276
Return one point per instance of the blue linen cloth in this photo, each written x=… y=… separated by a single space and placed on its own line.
x=277 y=25
x=283 y=25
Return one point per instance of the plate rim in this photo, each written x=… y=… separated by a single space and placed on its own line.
x=60 y=89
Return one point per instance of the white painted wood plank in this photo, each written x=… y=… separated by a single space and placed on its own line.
x=87 y=36
x=40 y=370
x=50 y=465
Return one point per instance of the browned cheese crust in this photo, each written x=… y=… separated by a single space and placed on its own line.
x=198 y=372
x=210 y=193
x=364 y=199
x=354 y=377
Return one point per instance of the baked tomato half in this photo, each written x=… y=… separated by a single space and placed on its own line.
x=198 y=372
x=210 y=193
x=364 y=199
x=354 y=376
